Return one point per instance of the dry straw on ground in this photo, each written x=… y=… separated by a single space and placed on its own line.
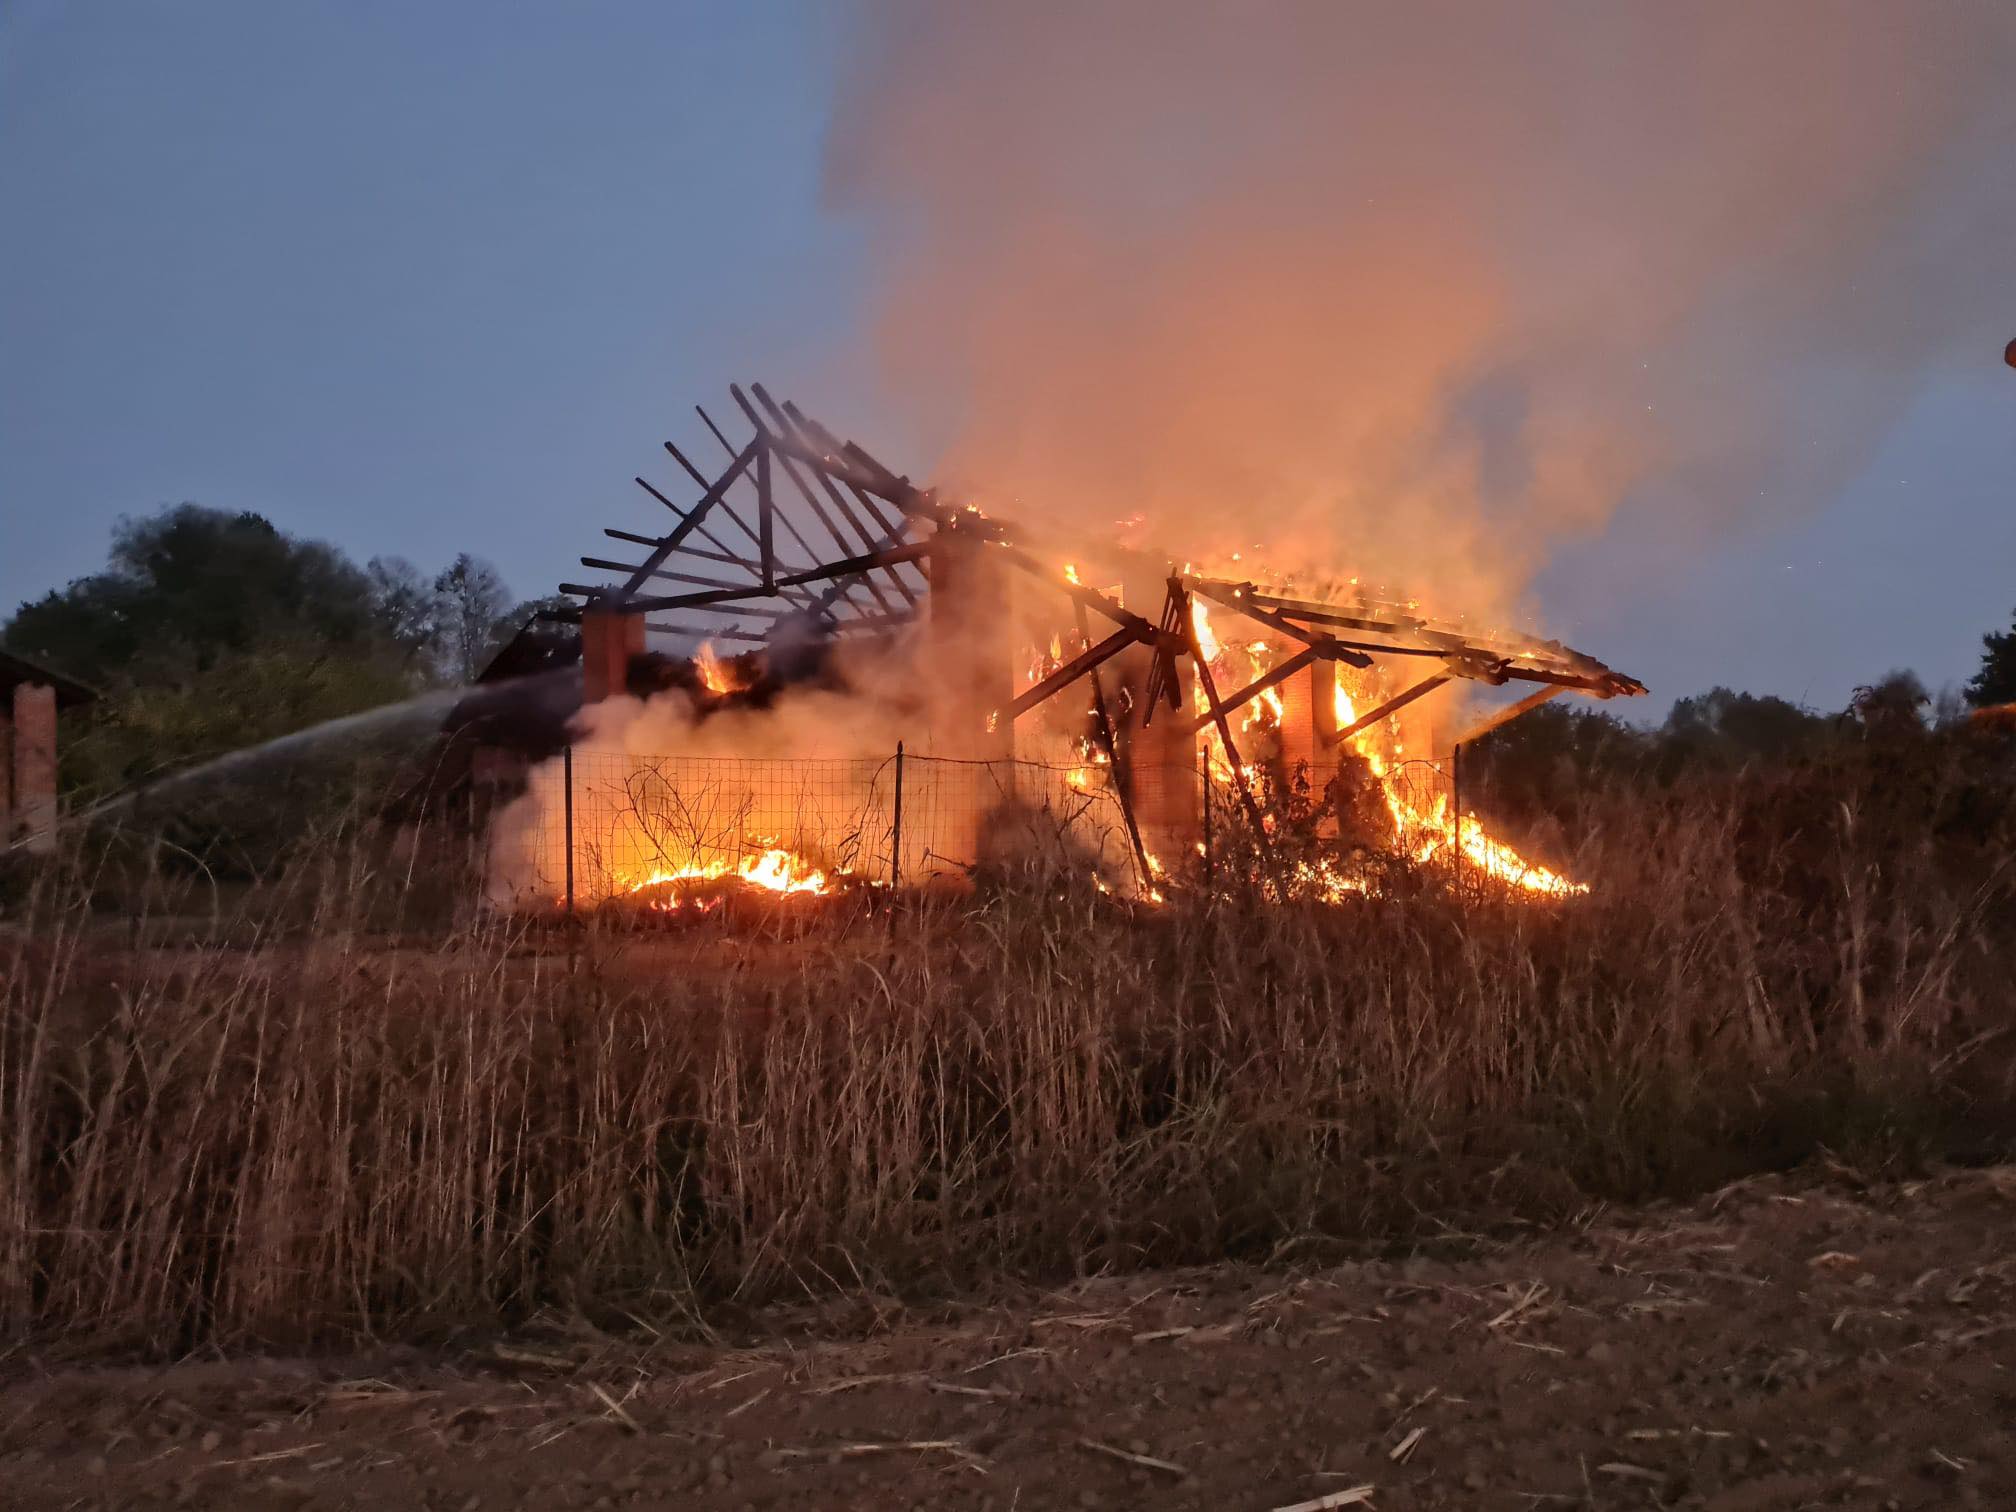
x=285 y=1124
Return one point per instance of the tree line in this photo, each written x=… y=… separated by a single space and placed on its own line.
x=208 y=631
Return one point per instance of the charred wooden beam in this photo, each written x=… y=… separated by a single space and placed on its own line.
x=754 y=611
x=1610 y=685
x=1324 y=644
x=845 y=511
x=591 y=592
x=1072 y=670
x=692 y=521
x=766 y=507
x=871 y=622
x=668 y=628
x=824 y=438
x=1179 y=602
x=869 y=538
x=1502 y=717
x=1163 y=684
x=679 y=514
x=849 y=566
x=1254 y=689
x=637 y=538
x=1116 y=762
x=1091 y=598
x=818 y=511
x=789 y=524
x=701 y=478
x=663 y=574
x=1392 y=705
x=1422 y=635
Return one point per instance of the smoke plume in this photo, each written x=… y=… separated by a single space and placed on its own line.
x=1420 y=291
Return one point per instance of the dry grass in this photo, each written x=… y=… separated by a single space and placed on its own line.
x=272 y=1134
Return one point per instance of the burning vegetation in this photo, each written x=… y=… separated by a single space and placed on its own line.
x=1210 y=724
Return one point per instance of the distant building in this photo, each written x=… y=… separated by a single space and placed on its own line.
x=30 y=698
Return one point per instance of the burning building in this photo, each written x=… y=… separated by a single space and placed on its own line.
x=867 y=621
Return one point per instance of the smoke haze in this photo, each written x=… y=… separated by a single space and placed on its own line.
x=1422 y=292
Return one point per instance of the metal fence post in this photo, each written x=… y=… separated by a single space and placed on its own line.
x=567 y=814
x=896 y=834
x=1456 y=812
x=1204 y=767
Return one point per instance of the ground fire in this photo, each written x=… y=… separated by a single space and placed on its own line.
x=1187 y=716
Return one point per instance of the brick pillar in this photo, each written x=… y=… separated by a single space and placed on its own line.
x=969 y=672
x=1164 y=758
x=972 y=655
x=1165 y=764
x=35 y=764
x=1308 y=718
x=609 y=638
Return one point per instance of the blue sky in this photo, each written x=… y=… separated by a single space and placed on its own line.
x=425 y=279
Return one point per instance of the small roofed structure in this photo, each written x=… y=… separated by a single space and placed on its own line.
x=30 y=697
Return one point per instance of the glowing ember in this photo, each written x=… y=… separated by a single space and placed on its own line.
x=774 y=870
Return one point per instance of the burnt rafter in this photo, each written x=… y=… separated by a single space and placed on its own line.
x=876 y=574
x=1488 y=658
x=1389 y=708
x=1278 y=674
x=1086 y=661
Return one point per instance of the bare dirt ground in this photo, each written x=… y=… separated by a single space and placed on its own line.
x=1786 y=1344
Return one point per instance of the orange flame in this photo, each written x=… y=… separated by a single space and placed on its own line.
x=717 y=676
x=1425 y=833
x=774 y=870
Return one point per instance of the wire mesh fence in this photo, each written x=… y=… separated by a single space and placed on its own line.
x=595 y=824
x=599 y=823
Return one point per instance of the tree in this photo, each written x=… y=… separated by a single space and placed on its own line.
x=1892 y=705
x=406 y=605
x=187 y=586
x=1995 y=683
x=1727 y=728
x=473 y=615
x=209 y=631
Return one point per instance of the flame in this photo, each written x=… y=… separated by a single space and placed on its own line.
x=1425 y=833
x=717 y=676
x=1263 y=712
x=774 y=870
x=1071 y=574
x=1200 y=622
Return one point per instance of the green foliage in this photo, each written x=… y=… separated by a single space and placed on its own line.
x=1723 y=728
x=1995 y=683
x=189 y=586
x=210 y=632
x=244 y=698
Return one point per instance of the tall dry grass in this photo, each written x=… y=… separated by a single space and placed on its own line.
x=290 y=1122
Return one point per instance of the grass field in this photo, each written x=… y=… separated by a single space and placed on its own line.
x=303 y=1117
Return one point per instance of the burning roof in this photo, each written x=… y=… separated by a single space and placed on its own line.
x=739 y=566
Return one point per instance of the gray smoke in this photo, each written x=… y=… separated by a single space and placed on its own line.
x=1423 y=291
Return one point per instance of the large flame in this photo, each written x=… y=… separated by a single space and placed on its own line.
x=1423 y=829
x=774 y=870
x=1425 y=833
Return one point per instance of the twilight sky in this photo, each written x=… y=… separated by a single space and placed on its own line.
x=426 y=279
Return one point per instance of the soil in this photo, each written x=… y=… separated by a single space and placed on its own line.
x=1788 y=1343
